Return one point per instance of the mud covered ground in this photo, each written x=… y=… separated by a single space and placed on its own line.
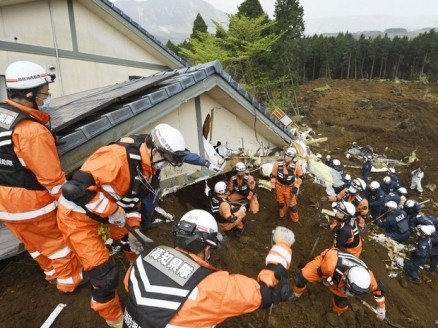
x=395 y=118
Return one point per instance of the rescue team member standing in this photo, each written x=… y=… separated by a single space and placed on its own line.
x=225 y=214
x=345 y=275
x=286 y=179
x=242 y=186
x=177 y=287
x=346 y=233
x=108 y=188
x=31 y=174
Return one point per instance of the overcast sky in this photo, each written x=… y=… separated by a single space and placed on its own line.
x=328 y=8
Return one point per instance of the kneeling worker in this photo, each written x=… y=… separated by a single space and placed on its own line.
x=226 y=216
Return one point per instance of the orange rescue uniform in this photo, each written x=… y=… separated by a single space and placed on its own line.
x=334 y=264
x=110 y=170
x=243 y=187
x=360 y=202
x=220 y=295
x=31 y=214
x=286 y=179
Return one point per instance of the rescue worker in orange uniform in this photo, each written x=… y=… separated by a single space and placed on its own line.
x=345 y=275
x=286 y=179
x=353 y=194
x=225 y=214
x=177 y=287
x=346 y=233
x=108 y=189
x=242 y=186
x=31 y=174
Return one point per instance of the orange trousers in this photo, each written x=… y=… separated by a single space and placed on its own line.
x=45 y=243
x=286 y=199
x=253 y=202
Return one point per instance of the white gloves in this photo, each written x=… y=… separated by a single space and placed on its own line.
x=283 y=235
x=381 y=312
x=118 y=217
x=134 y=244
x=212 y=167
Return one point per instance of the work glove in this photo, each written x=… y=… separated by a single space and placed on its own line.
x=135 y=245
x=212 y=167
x=324 y=199
x=243 y=208
x=294 y=190
x=381 y=312
x=283 y=235
x=118 y=217
x=273 y=191
x=231 y=219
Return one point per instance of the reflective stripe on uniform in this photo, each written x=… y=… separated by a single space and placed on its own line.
x=50 y=273
x=55 y=190
x=60 y=254
x=28 y=215
x=70 y=205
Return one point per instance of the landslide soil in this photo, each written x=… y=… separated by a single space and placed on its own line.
x=394 y=118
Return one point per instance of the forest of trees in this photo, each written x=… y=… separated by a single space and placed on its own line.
x=270 y=58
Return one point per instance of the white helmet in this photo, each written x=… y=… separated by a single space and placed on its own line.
x=26 y=75
x=318 y=155
x=425 y=230
x=220 y=188
x=402 y=190
x=336 y=162
x=357 y=185
x=374 y=185
x=169 y=142
x=344 y=211
x=358 y=281
x=328 y=157
x=240 y=167
x=410 y=203
x=391 y=205
x=196 y=230
x=290 y=152
x=347 y=177
x=387 y=180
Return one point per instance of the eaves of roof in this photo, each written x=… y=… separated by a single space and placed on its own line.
x=105 y=114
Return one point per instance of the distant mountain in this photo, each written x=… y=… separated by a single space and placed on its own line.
x=381 y=23
x=173 y=20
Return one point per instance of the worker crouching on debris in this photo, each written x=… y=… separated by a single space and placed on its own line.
x=108 y=189
x=421 y=253
x=345 y=230
x=396 y=223
x=286 y=179
x=345 y=275
x=353 y=194
x=31 y=174
x=177 y=287
x=242 y=186
x=229 y=217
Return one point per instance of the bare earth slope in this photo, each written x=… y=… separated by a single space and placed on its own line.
x=395 y=118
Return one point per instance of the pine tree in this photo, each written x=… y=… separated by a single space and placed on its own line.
x=199 y=26
x=250 y=9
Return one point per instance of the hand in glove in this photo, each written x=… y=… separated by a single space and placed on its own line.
x=294 y=190
x=212 y=167
x=324 y=199
x=283 y=235
x=381 y=312
x=243 y=208
x=135 y=245
x=118 y=217
x=273 y=191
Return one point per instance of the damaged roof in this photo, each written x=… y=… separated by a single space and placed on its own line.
x=124 y=108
